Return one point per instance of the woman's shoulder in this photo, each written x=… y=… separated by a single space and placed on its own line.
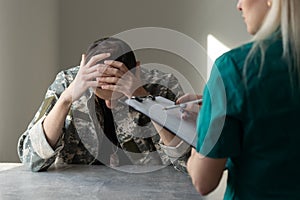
x=233 y=59
x=237 y=55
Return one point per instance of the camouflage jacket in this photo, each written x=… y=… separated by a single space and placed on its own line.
x=82 y=138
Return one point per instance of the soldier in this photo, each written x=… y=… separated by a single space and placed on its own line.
x=82 y=119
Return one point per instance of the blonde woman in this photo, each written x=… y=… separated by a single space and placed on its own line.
x=249 y=120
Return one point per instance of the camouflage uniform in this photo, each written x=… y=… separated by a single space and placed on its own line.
x=82 y=135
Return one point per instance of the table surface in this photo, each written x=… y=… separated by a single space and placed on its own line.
x=95 y=182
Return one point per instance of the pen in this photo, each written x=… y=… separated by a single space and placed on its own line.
x=183 y=105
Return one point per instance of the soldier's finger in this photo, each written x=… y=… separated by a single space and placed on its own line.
x=121 y=66
x=82 y=60
x=96 y=59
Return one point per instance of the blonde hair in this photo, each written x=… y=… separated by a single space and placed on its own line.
x=284 y=16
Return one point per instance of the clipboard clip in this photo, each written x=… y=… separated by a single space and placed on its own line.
x=142 y=98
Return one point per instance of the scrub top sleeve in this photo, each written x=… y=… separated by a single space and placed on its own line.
x=219 y=126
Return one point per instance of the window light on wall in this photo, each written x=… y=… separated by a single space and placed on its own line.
x=215 y=48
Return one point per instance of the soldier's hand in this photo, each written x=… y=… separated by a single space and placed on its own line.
x=86 y=76
x=120 y=79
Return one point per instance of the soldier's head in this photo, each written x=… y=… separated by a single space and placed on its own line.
x=119 y=51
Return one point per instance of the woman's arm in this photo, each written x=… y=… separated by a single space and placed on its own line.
x=205 y=172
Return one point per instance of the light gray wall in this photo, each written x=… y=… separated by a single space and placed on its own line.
x=28 y=63
x=40 y=37
x=84 y=21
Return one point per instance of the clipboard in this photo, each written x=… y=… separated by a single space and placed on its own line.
x=169 y=119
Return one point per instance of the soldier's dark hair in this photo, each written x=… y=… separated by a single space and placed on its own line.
x=119 y=50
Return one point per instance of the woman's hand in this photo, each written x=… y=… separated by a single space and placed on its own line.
x=86 y=76
x=191 y=110
x=119 y=79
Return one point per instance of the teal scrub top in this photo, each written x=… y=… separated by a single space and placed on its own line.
x=252 y=119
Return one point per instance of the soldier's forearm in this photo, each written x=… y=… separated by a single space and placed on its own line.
x=167 y=138
x=54 y=122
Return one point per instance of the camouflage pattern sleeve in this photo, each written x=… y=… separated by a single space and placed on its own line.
x=33 y=148
x=168 y=86
x=178 y=155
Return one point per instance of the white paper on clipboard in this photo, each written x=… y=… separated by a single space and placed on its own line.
x=169 y=119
